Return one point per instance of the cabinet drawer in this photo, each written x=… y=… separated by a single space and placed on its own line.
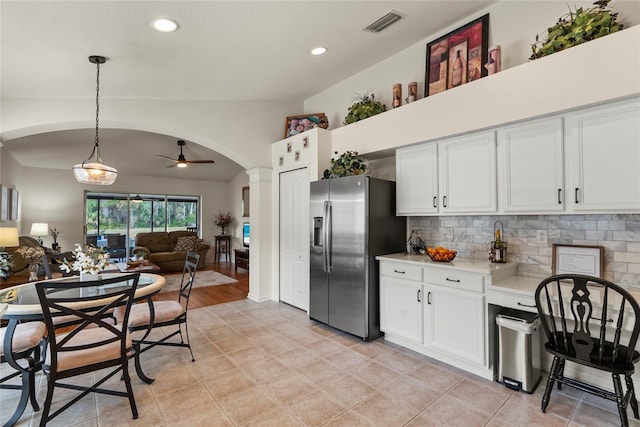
x=455 y=279
x=405 y=271
x=519 y=302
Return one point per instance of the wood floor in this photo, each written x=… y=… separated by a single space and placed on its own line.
x=210 y=295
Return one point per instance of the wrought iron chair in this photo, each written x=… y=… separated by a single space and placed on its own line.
x=591 y=322
x=91 y=345
x=25 y=340
x=145 y=317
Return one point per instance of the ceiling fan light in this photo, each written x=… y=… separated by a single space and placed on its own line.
x=181 y=164
x=94 y=173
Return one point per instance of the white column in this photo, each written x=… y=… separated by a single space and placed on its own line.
x=260 y=258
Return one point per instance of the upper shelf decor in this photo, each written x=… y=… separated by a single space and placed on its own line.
x=299 y=124
x=347 y=164
x=365 y=106
x=577 y=27
x=458 y=57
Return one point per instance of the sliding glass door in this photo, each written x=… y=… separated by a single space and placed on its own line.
x=113 y=220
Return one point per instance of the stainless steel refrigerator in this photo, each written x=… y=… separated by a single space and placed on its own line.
x=353 y=219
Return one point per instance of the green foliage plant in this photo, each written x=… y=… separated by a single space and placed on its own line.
x=364 y=106
x=347 y=164
x=577 y=27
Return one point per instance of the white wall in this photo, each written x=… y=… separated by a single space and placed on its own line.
x=55 y=197
x=512 y=24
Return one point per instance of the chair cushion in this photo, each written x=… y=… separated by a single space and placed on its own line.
x=186 y=244
x=163 y=311
x=74 y=359
x=26 y=336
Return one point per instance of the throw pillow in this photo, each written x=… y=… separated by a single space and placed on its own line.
x=186 y=244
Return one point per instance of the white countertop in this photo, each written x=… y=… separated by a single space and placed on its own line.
x=461 y=263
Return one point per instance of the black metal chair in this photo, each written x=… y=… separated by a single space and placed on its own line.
x=90 y=345
x=117 y=246
x=145 y=317
x=92 y=240
x=25 y=340
x=591 y=322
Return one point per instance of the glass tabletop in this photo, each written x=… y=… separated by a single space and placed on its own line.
x=27 y=296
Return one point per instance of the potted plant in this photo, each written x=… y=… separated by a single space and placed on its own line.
x=223 y=220
x=577 y=27
x=364 y=106
x=347 y=164
x=88 y=260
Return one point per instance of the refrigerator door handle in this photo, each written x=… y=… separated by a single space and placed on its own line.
x=324 y=236
x=329 y=239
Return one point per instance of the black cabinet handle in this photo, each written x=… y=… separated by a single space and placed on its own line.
x=444 y=201
x=577 y=201
x=526 y=305
x=419 y=290
x=398 y=271
x=559 y=196
x=453 y=280
x=435 y=201
x=429 y=298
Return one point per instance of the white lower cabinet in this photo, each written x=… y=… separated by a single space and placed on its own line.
x=454 y=322
x=401 y=296
x=440 y=312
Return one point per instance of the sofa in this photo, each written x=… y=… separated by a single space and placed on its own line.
x=168 y=250
x=19 y=269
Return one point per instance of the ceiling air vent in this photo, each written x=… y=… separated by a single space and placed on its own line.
x=384 y=22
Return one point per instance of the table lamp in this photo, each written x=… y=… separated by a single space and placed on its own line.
x=39 y=229
x=8 y=237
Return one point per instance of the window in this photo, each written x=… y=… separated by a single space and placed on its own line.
x=130 y=214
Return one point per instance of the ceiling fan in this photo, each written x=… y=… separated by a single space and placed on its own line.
x=181 y=162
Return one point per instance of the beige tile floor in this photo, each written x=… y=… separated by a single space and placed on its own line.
x=267 y=364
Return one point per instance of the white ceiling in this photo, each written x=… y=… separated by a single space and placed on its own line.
x=240 y=50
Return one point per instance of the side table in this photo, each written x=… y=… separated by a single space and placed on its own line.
x=223 y=247
x=242 y=258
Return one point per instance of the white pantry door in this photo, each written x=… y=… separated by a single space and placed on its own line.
x=294 y=238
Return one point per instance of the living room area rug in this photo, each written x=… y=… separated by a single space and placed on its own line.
x=203 y=278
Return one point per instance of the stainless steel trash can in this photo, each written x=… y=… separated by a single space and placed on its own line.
x=518 y=341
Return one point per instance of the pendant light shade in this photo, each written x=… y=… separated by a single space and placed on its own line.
x=93 y=171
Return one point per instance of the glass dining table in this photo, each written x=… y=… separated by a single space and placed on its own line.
x=20 y=304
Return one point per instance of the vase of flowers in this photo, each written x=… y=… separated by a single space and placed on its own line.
x=54 y=235
x=6 y=262
x=223 y=220
x=87 y=260
x=33 y=256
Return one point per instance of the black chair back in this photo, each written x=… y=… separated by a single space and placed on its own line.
x=65 y=298
x=188 y=277
x=52 y=263
x=92 y=240
x=585 y=317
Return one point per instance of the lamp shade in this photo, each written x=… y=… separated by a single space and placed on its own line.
x=95 y=173
x=39 y=229
x=8 y=237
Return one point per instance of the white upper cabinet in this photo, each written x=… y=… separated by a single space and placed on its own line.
x=467 y=167
x=531 y=167
x=604 y=148
x=417 y=180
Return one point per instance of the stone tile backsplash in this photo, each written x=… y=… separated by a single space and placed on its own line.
x=530 y=239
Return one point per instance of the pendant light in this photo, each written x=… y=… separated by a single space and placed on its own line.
x=95 y=172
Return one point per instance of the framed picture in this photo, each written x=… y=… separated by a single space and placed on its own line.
x=13 y=203
x=458 y=57
x=4 y=203
x=576 y=259
x=303 y=122
x=245 y=201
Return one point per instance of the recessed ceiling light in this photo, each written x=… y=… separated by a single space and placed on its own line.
x=165 y=25
x=318 y=50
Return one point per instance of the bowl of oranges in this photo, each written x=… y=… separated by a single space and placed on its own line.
x=441 y=254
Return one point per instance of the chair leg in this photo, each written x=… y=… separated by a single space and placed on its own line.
x=550 y=380
x=186 y=331
x=560 y=373
x=620 y=400
x=127 y=383
x=47 y=403
x=633 y=400
x=138 y=365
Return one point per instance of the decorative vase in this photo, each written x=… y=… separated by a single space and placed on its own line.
x=222 y=232
x=87 y=277
x=33 y=272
